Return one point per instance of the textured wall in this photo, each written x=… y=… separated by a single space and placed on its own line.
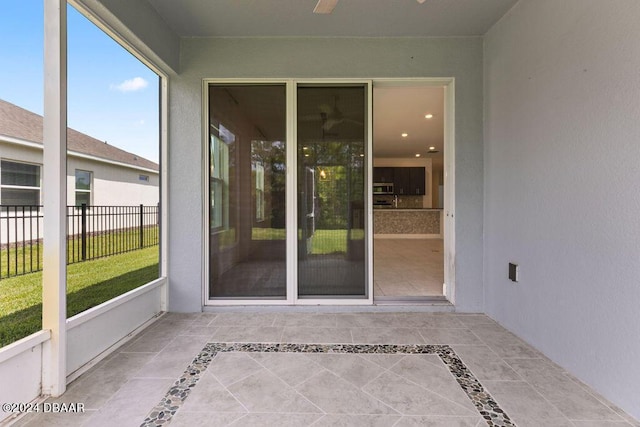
x=316 y=58
x=562 y=167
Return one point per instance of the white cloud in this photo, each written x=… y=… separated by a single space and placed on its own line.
x=136 y=83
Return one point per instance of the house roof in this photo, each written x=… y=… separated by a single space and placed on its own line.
x=18 y=123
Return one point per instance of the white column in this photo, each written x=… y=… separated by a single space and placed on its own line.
x=164 y=190
x=54 y=277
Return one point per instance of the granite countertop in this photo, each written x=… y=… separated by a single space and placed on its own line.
x=389 y=208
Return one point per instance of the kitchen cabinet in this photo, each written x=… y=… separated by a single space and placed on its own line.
x=409 y=181
x=384 y=174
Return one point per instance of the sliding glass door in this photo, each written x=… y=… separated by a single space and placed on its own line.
x=331 y=149
x=247 y=174
x=298 y=236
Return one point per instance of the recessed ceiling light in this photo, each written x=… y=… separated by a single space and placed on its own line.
x=305 y=148
x=361 y=155
x=404 y=135
x=432 y=148
x=428 y=116
x=417 y=154
x=306 y=155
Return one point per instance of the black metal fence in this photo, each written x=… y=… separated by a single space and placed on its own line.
x=92 y=232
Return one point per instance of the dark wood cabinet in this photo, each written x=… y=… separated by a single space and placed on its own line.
x=384 y=174
x=409 y=181
x=406 y=181
x=417 y=181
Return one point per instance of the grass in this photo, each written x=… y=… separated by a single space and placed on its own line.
x=88 y=284
x=28 y=258
x=324 y=241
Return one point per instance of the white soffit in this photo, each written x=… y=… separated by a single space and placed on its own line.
x=350 y=18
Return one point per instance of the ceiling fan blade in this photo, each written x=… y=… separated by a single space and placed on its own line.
x=325 y=7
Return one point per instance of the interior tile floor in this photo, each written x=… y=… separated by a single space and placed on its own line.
x=329 y=369
x=408 y=267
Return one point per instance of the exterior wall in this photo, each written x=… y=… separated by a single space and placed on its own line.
x=112 y=185
x=561 y=186
x=249 y=58
x=9 y=151
x=21 y=370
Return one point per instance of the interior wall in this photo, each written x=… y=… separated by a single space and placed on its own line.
x=250 y=58
x=562 y=167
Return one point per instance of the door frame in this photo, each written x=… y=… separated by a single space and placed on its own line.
x=448 y=83
x=290 y=194
x=447 y=216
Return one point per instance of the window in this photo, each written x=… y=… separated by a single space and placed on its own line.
x=144 y=178
x=83 y=187
x=19 y=183
x=219 y=175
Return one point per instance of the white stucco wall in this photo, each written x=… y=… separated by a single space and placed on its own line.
x=562 y=167
x=460 y=58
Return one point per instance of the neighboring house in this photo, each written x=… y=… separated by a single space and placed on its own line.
x=97 y=173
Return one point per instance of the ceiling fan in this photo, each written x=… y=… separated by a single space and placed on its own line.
x=330 y=116
x=325 y=7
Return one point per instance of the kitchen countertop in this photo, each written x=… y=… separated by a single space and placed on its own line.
x=389 y=208
x=395 y=222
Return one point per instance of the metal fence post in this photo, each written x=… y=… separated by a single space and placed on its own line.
x=83 y=222
x=141 y=226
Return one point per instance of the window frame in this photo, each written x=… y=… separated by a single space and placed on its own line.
x=81 y=190
x=22 y=187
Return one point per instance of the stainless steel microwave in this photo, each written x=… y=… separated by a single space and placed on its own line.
x=383 y=188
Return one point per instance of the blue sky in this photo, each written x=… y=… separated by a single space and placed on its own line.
x=112 y=96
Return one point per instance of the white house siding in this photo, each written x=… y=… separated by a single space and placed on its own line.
x=249 y=58
x=562 y=167
x=20 y=153
x=112 y=185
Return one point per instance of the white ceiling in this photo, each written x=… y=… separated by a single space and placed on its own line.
x=350 y=18
x=396 y=110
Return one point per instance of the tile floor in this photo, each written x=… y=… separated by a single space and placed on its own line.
x=408 y=267
x=330 y=369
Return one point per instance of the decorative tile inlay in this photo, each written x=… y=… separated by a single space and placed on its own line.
x=175 y=397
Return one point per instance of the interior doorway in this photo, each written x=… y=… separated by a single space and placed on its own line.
x=408 y=191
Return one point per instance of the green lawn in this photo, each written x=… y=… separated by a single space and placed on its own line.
x=88 y=284
x=324 y=241
x=28 y=258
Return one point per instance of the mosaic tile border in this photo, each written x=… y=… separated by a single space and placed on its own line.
x=486 y=405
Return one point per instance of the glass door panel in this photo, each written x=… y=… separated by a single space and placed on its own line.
x=331 y=146
x=247 y=172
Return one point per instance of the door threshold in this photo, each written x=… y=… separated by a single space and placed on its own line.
x=438 y=305
x=406 y=300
